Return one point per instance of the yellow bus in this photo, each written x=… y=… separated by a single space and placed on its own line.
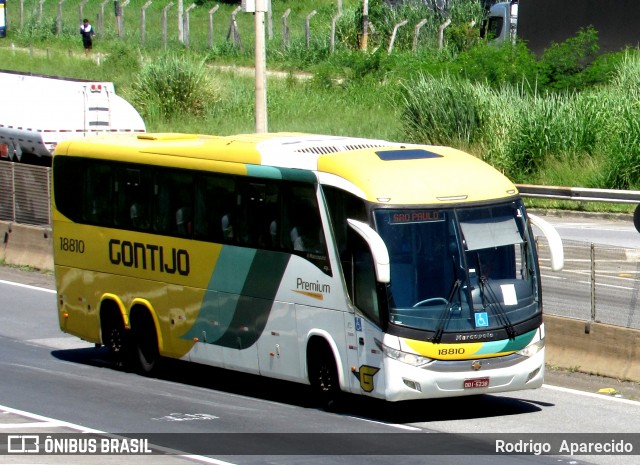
x=391 y=270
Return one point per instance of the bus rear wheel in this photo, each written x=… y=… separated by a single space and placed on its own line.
x=145 y=343
x=323 y=375
x=115 y=338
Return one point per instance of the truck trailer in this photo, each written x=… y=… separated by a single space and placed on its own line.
x=539 y=23
x=37 y=112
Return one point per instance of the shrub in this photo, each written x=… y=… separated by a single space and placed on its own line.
x=439 y=111
x=499 y=65
x=565 y=62
x=173 y=85
x=621 y=148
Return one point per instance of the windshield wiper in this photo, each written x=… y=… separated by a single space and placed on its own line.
x=445 y=315
x=494 y=302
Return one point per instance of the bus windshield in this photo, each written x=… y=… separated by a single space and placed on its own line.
x=460 y=269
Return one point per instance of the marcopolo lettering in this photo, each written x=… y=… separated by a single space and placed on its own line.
x=149 y=256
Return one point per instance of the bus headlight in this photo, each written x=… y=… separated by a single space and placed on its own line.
x=532 y=349
x=404 y=357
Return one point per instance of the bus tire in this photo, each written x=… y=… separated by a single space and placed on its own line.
x=146 y=355
x=115 y=337
x=636 y=218
x=323 y=374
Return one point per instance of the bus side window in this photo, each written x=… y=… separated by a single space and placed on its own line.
x=161 y=208
x=301 y=231
x=137 y=185
x=343 y=205
x=97 y=196
x=183 y=212
x=215 y=205
x=257 y=213
x=173 y=203
x=302 y=219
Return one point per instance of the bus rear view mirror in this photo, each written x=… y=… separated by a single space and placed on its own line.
x=554 y=240
x=378 y=249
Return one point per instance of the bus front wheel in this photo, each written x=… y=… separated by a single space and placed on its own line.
x=323 y=374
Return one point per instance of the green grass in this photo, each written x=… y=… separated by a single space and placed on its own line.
x=498 y=103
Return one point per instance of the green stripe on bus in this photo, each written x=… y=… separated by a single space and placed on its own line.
x=256 y=302
x=287 y=174
x=236 y=306
x=507 y=345
x=231 y=270
x=268 y=172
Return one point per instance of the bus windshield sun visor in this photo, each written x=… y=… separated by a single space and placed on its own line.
x=490 y=232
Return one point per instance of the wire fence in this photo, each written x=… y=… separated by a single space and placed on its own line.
x=25 y=194
x=197 y=26
x=598 y=283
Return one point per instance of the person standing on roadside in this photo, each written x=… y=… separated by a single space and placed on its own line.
x=86 y=31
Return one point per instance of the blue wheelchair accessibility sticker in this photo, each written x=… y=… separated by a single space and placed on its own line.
x=358 y=324
x=482 y=319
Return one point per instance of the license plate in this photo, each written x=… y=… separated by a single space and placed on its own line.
x=476 y=383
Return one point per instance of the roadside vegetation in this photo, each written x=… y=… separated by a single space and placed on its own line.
x=569 y=117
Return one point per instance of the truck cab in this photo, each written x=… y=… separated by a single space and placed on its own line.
x=502 y=22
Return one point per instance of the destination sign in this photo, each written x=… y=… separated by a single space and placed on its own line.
x=415 y=216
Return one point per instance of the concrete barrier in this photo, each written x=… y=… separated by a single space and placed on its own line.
x=588 y=347
x=591 y=347
x=26 y=245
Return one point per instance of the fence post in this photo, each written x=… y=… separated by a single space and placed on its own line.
x=393 y=35
x=21 y=14
x=416 y=33
x=81 y=10
x=143 y=21
x=59 y=18
x=211 y=12
x=164 y=24
x=120 y=18
x=269 y=20
x=185 y=26
x=101 y=20
x=307 y=28
x=233 y=28
x=334 y=20
x=40 y=2
x=285 y=29
x=441 y=29
x=364 y=38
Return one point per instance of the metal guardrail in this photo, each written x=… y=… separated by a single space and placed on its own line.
x=584 y=194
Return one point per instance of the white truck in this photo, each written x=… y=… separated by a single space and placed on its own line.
x=37 y=112
x=502 y=22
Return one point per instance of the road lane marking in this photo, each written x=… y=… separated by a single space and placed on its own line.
x=34 y=416
x=59 y=423
x=393 y=425
x=592 y=394
x=61 y=343
x=28 y=286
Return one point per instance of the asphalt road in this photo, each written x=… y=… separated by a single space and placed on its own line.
x=57 y=376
